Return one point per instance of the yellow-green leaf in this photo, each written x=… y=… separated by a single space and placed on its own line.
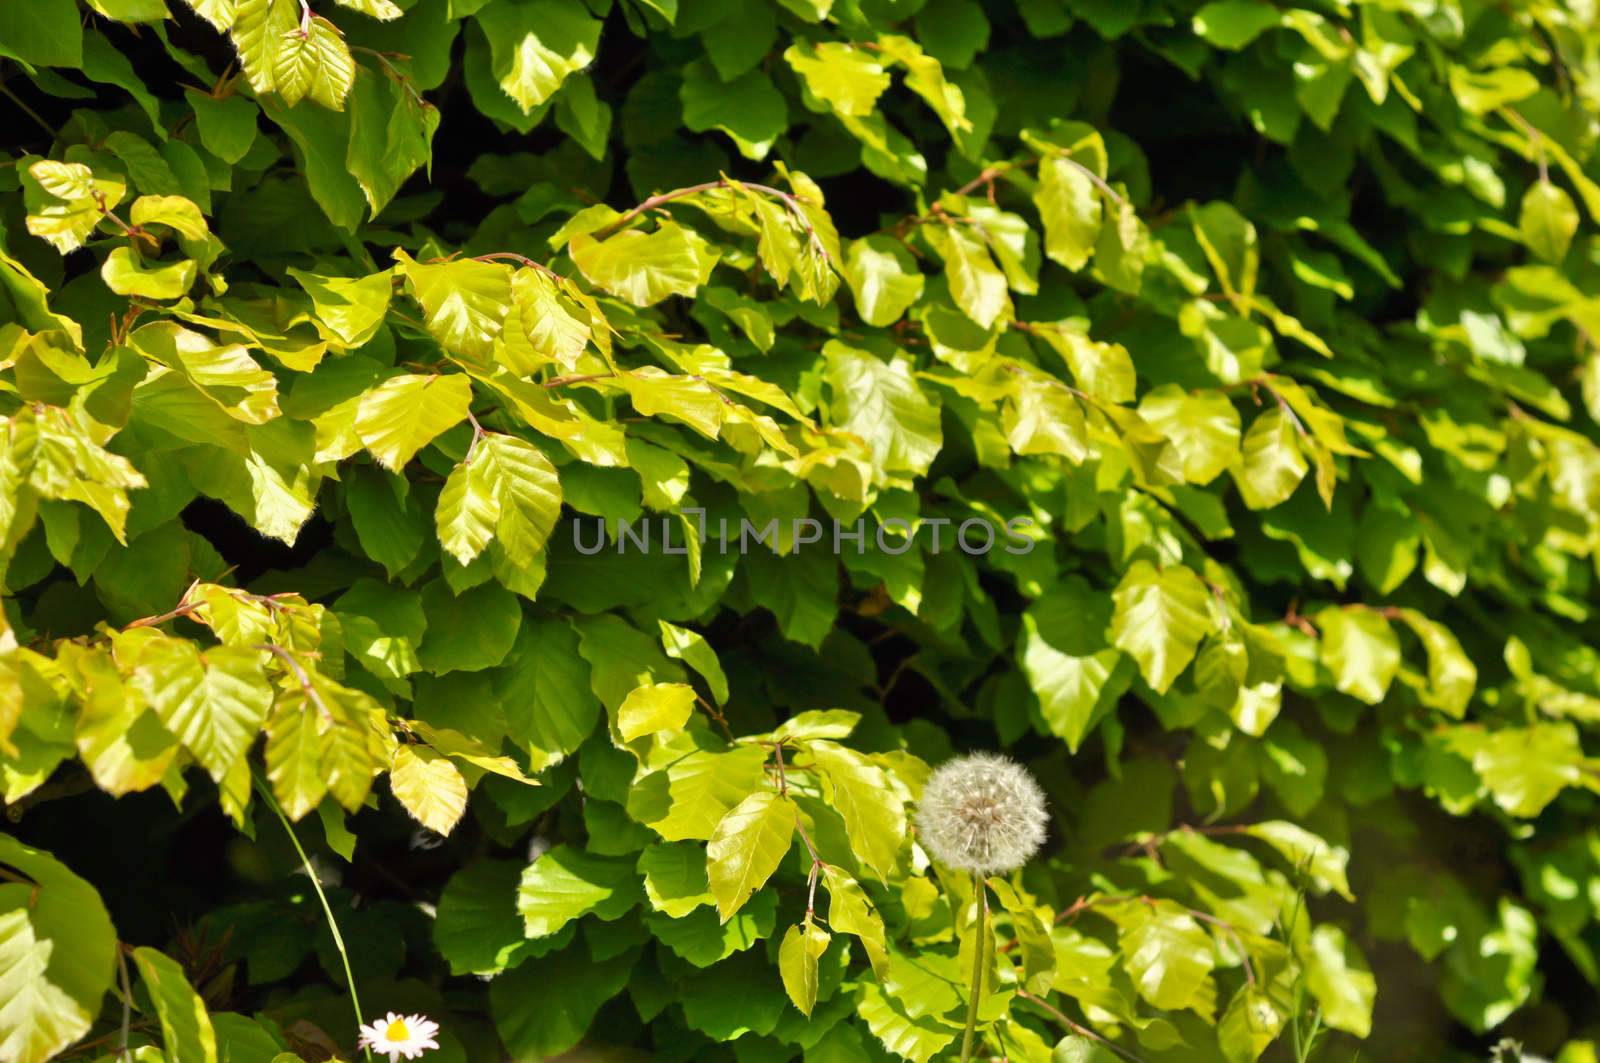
x=802 y=947
x=186 y=1031
x=749 y=843
x=644 y=268
x=654 y=707
x=429 y=787
x=406 y=413
x=1161 y=616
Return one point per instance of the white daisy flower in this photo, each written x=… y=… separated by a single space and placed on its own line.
x=400 y=1035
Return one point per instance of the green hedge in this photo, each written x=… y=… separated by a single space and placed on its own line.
x=504 y=504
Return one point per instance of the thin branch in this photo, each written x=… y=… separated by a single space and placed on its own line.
x=1095 y=179
x=127 y=1002
x=1535 y=139
x=301 y=675
x=716 y=714
x=524 y=260
x=662 y=198
x=1074 y=1027
x=17 y=101
x=1228 y=928
x=576 y=378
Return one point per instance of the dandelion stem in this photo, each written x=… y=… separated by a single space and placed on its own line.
x=327 y=910
x=980 y=953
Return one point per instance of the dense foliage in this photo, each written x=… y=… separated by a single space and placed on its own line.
x=1197 y=401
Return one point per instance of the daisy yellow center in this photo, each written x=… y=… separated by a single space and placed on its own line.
x=397 y=1031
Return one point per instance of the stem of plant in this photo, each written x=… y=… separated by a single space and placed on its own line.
x=327 y=910
x=980 y=953
x=127 y=1002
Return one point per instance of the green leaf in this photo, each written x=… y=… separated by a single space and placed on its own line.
x=391 y=136
x=703 y=939
x=227 y=125
x=126 y=273
x=1271 y=465
x=465 y=302
x=1074 y=671
x=1161 y=616
x=259 y=29
x=186 y=1029
x=645 y=268
x=1042 y=416
x=45 y=33
x=1338 y=977
x=64 y=202
x=477 y=930
x=469 y=631
x=881 y=403
x=653 y=708
x=379 y=9
x=1324 y=863
x=1232 y=24
x=387 y=516
x=321 y=140
x=353 y=308
x=566 y=883
x=544 y=1007
x=429 y=787
x=1076 y=1049
x=690 y=798
x=1103 y=370
x=313 y=62
x=976 y=284
x=798 y=589
x=468 y=510
x=748 y=845
x=883 y=278
x=847 y=78
x=214 y=702
x=802 y=946
x=750 y=109
x=692 y=649
x=1204 y=426
x=1548 y=221
x=917 y=1040
x=675 y=880
x=859 y=790
x=1452 y=677
x=1229 y=242
x=544 y=688
x=556 y=330
x=1251 y=1023
x=1526 y=767
x=537 y=45
x=405 y=413
x=1360 y=648
x=1069 y=205
x=527 y=491
x=1482 y=91
x=850 y=912
x=1038 y=952
x=1166 y=953
x=57 y=954
x=225 y=374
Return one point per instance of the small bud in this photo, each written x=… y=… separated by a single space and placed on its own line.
x=982 y=813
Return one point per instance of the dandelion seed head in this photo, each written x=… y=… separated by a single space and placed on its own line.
x=982 y=813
